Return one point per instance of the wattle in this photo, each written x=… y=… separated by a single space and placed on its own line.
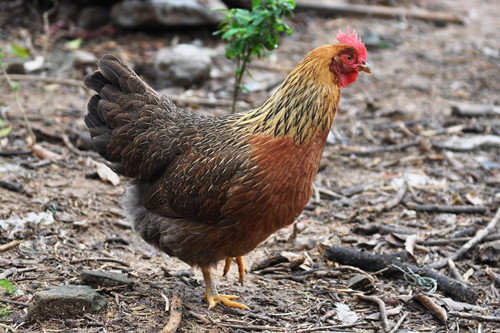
x=348 y=78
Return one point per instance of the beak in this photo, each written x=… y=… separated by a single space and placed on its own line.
x=365 y=68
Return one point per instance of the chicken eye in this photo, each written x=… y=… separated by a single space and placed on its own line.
x=348 y=57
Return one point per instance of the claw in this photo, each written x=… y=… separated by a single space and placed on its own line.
x=213 y=297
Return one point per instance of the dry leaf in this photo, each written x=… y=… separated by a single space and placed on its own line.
x=106 y=174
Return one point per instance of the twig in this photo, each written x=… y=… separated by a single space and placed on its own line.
x=478 y=238
x=381 y=306
x=118 y=261
x=390 y=204
x=13 y=186
x=475 y=110
x=474 y=316
x=454 y=270
x=347 y=150
x=328 y=8
x=47 y=79
x=463 y=209
x=8 y=328
x=10 y=244
x=3 y=300
x=19 y=105
x=400 y=321
x=252 y=327
x=438 y=311
x=175 y=309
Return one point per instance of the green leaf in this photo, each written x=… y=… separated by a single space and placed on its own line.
x=15 y=86
x=7 y=285
x=74 y=44
x=5 y=131
x=4 y=311
x=19 y=51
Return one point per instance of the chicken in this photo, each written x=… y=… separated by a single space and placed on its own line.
x=206 y=189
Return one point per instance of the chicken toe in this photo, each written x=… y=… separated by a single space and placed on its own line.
x=213 y=297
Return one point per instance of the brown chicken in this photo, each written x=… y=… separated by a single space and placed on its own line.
x=205 y=188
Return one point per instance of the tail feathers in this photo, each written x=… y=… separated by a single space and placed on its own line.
x=120 y=96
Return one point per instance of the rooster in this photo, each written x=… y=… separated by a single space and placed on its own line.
x=207 y=189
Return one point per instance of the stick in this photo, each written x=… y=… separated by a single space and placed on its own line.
x=118 y=261
x=478 y=238
x=175 y=309
x=373 y=262
x=69 y=82
x=400 y=321
x=328 y=8
x=10 y=244
x=347 y=150
x=390 y=204
x=381 y=306
x=474 y=316
x=475 y=110
x=463 y=209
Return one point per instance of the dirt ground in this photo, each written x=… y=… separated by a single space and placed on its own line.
x=394 y=125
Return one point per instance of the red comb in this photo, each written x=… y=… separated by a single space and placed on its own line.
x=354 y=41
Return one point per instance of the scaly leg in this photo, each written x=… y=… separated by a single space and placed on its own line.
x=213 y=297
x=241 y=268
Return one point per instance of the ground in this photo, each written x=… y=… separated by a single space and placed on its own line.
x=421 y=70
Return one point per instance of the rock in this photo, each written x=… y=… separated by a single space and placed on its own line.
x=81 y=57
x=94 y=17
x=305 y=243
x=65 y=302
x=183 y=65
x=105 y=279
x=489 y=253
x=130 y=13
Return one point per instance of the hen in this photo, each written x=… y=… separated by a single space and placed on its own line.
x=207 y=189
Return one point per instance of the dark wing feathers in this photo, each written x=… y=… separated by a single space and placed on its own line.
x=187 y=159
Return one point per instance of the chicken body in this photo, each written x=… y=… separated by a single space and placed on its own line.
x=210 y=188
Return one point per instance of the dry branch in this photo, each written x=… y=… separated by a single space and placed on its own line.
x=374 y=262
x=473 y=242
x=381 y=306
x=474 y=316
x=459 y=209
x=175 y=309
x=475 y=110
x=346 y=150
x=328 y=8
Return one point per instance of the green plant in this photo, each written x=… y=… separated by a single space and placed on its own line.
x=251 y=33
x=4 y=311
x=15 y=88
x=8 y=286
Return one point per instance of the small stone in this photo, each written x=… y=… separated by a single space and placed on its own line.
x=65 y=302
x=81 y=57
x=305 y=243
x=183 y=65
x=489 y=253
x=105 y=279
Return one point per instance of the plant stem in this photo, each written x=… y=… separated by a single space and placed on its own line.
x=239 y=77
x=20 y=106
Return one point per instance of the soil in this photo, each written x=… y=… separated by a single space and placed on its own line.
x=391 y=127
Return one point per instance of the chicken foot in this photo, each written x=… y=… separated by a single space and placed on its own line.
x=241 y=268
x=213 y=297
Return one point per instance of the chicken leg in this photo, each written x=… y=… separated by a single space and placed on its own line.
x=241 y=268
x=213 y=297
